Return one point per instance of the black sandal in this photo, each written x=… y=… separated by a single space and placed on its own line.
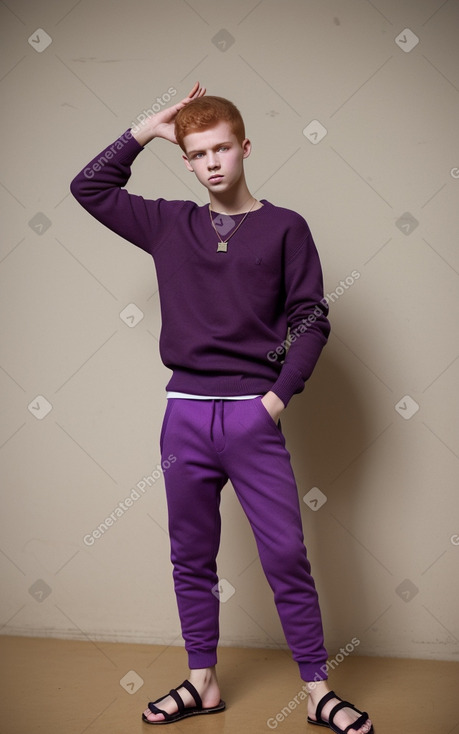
x=183 y=711
x=341 y=705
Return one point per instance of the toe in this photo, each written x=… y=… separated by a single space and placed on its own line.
x=153 y=717
x=355 y=728
x=365 y=728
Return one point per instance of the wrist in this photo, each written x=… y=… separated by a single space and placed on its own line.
x=142 y=134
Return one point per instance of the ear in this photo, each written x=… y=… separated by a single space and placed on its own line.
x=246 y=148
x=188 y=164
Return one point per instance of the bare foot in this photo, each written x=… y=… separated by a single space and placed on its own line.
x=345 y=717
x=206 y=684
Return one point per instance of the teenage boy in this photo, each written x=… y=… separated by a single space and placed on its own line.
x=233 y=277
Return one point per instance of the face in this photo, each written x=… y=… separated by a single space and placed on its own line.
x=216 y=157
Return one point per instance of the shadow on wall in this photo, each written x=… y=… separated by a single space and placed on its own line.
x=327 y=427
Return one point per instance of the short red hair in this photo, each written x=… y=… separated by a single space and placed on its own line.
x=206 y=112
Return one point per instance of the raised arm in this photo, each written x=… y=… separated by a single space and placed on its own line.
x=99 y=187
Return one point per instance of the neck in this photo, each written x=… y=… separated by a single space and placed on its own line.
x=232 y=202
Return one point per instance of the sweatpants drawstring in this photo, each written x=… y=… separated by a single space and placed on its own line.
x=217 y=433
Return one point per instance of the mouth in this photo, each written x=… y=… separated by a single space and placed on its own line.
x=215 y=178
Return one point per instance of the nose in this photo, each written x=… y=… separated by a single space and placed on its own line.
x=212 y=161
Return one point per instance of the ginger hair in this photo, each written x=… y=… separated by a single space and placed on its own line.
x=206 y=112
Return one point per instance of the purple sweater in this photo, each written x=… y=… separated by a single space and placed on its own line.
x=225 y=316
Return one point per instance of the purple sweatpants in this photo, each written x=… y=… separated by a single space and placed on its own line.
x=217 y=440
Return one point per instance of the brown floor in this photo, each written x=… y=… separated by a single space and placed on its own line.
x=66 y=687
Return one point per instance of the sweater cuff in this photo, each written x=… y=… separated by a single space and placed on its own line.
x=129 y=146
x=289 y=382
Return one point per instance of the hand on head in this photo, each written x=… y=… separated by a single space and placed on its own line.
x=161 y=124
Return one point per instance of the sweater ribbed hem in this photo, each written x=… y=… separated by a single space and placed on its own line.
x=224 y=385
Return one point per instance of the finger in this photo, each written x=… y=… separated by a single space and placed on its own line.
x=197 y=91
x=185 y=100
x=194 y=91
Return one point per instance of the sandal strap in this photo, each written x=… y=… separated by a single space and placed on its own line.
x=155 y=710
x=178 y=700
x=325 y=699
x=191 y=689
x=346 y=704
x=357 y=724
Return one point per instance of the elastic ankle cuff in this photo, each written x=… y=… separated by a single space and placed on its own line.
x=313 y=672
x=202 y=659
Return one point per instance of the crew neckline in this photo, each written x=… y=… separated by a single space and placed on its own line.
x=240 y=214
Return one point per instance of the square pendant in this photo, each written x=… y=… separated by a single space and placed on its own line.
x=222 y=247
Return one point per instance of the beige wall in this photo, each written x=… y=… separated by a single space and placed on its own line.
x=384 y=545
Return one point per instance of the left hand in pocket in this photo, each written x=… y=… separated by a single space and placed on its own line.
x=273 y=405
